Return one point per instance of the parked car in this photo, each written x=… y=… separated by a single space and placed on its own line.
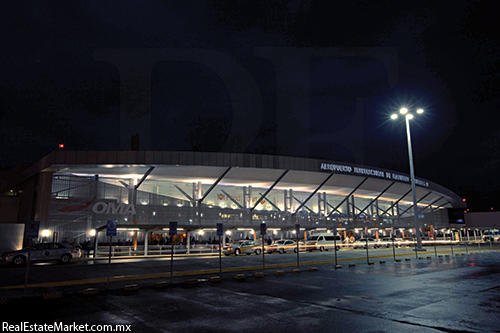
x=361 y=243
x=493 y=236
x=386 y=241
x=282 y=246
x=323 y=241
x=41 y=252
x=245 y=246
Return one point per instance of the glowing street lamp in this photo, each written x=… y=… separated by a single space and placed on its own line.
x=408 y=116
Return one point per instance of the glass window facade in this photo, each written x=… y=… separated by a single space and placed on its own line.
x=82 y=203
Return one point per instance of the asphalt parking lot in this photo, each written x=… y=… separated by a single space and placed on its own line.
x=448 y=294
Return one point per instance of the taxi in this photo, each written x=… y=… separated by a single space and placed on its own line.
x=244 y=246
x=362 y=242
x=282 y=246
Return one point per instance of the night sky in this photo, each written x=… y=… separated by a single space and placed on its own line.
x=298 y=78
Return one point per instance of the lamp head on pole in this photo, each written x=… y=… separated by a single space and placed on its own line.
x=404 y=111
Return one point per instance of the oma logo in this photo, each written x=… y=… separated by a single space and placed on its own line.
x=111 y=208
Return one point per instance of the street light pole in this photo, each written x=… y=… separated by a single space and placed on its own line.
x=408 y=116
x=414 y=192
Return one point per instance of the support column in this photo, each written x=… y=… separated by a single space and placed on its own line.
x=146 y=242
x=188 y=242
x=96 y=243
x=353 y=207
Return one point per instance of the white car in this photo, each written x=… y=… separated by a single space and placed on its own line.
x=42 y=252
x=282 y=246
x=361 y=243
x=494 y=237
x=386 y=241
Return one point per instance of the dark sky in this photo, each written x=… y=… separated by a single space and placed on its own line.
x=301 y=78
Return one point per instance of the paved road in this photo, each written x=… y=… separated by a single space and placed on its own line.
x=449 y=294
x=47 y=275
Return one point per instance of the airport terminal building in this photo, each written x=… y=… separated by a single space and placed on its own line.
x=74 y=193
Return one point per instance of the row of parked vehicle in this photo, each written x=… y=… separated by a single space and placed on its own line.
x=316 y=242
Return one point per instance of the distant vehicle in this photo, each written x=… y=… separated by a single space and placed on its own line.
x=387 y=242
x=323 y=242
x=282 y=246
x=493 y=236
x=245 y=246
x=408 y=241
x=361 y=243
x=42 y=252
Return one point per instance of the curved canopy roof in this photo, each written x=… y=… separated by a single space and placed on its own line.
x=261 y=171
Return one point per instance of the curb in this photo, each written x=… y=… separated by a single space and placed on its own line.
x=215 y=279
x=91 y=291
x=134 y=286
x=162 y=284
x=52 y=295
x=240 y=277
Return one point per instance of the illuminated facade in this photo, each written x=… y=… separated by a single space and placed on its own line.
x=78 y=192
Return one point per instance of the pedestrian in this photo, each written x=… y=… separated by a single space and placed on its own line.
x=119 y=244
x=86 y=248
x=269 y=240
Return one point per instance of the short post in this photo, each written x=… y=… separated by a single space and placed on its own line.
x=367 y=256
x=393 y=249
x=263 y=232
x=110 y=231
x=172 y=260
x=479 y=243
x=27 y=266
x=451 y=241
x=335 y=243
x=109 y=258
x=466 y=241
x=434 y=235
x=220 y=232
x=297 y=232
x=172 y=232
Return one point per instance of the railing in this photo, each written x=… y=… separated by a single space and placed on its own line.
x=129 y=250
x=197 y=249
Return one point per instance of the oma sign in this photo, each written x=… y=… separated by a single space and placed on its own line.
x=112 y=208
